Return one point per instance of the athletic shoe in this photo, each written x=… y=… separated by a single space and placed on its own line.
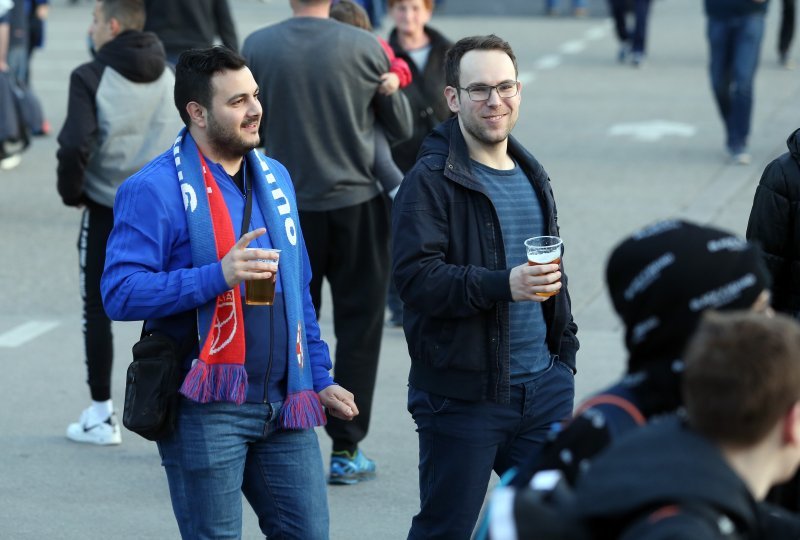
x=348 y=469
x=10 y=162
x=741 y=158
x=93 y=430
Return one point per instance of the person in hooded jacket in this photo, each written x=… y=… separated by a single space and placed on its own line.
x=119 y=117
x=774 y=224
x=740 y=436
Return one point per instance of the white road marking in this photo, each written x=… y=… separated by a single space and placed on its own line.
x=548 y=62
x=25 y=332
x=596 y=32
x=572 y=47
x=652 y=130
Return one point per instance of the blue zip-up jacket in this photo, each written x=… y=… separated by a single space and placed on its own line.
x=725 y=9
x=149 y=274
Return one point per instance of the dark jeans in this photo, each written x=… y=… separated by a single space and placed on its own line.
x=221 y=450
x=787 y=27
x=95 y=227
x=350 y=248
x=735 y=45
x=462 y=442
x=637 y=36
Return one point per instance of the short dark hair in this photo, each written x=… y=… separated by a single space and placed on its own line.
x=130 y=14
x=349 y=12
x=452 y=62
x=742 y=375
x=193 y=74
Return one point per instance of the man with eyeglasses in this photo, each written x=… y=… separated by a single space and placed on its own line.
x=492 y=359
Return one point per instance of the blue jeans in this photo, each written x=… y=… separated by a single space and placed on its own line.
x=735 y=45
x=637 y=37
x=576 y=4
x=221 y=450
x=462 y=442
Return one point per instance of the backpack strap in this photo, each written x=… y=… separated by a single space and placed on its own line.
x=617 y=401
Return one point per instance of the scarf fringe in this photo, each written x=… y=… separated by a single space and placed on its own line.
x=302 y=410
x=215 y=382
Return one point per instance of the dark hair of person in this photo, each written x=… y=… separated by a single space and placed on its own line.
x=349 y=12
x=452 y=62
x=742 y=375
x=193 y=74
x=129 y=13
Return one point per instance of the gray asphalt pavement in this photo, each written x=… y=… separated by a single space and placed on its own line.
x=623 y=147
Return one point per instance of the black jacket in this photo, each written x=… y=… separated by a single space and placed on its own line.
x=190 y=24
x=775 y=224
x=661 y=465
x=425 y=95
x=450 y=271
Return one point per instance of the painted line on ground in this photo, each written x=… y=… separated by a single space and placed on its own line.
x=25 y=332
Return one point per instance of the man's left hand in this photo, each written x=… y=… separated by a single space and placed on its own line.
x=339 y=402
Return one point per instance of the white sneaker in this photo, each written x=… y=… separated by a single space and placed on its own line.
x=741 y=158
x=10 y=162
x=90 y=429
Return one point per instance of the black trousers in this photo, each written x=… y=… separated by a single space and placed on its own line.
x=787 y=27
x=95 y=227
x=350 y=248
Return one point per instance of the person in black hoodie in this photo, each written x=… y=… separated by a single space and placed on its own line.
x=741 y=435
x=119 y=117
x=701 y=475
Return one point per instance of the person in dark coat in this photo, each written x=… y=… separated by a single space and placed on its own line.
x=775 y=224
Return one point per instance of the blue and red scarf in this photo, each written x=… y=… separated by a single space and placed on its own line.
x=219 y=373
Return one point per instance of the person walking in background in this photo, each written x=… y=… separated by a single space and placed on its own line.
x=256 y=382
x=331 y=92
x=735 y=30
x=424 y=49
x=118 y=117
x=786 y=34
x=398 y=76
x=633 y=40
x=491 y=338
x=578 y=8
x=190 y=24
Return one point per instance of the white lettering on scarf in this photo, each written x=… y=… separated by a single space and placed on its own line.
x=284 y=207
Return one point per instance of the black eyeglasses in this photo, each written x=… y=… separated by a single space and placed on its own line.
x=482 y=92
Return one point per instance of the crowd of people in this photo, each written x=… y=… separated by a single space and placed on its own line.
x=389 y=170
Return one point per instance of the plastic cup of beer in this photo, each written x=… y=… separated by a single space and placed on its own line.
x=261 y=292
x=544 y=250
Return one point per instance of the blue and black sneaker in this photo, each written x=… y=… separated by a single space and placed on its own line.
x=348 y=468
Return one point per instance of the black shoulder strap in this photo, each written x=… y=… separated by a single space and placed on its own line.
x=248 y=205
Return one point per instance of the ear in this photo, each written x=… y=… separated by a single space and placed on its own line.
x=451 y=95
x=114 y=26
x=791 y=426
x=197 y=114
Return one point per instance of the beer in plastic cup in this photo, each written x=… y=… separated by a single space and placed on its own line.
x=544 y=250
x=261 y=292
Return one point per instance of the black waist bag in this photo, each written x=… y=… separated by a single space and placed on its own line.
x=151 y=387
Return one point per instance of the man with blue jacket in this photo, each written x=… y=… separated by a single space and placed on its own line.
x=492 y=358
x=255 y=384
x=735 y=30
